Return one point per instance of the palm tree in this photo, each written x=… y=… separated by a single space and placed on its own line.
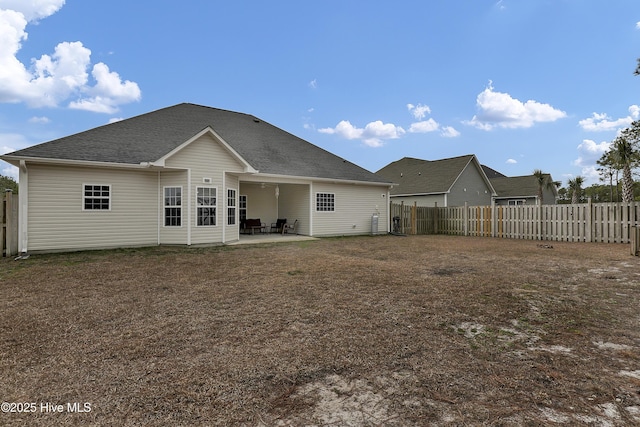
x=544 y=183
x=626 y=153
x=575 y=186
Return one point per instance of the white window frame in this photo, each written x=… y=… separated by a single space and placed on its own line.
x=232 y=206
x=100 y=197
x=166 y=206
x=213 y=206
x=327 y=203
x=516 y=202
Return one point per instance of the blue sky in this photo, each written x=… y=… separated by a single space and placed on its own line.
x=522 y=84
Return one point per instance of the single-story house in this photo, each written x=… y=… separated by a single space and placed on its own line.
x=187 y=175
x=446 y=182
x=523 y=190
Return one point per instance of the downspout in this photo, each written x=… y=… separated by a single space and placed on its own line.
x=160 y=202
x=23 y=202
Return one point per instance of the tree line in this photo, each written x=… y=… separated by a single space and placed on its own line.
x=617 y=167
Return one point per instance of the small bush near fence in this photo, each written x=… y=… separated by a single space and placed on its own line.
x=586 y=222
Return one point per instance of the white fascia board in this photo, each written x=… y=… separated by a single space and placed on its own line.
x=15 y=160
x=290 y=179
x=420 y=194
x=208 y=130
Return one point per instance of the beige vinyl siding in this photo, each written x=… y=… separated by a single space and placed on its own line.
x=57 y=220
x=354 y=207
x=206 y=158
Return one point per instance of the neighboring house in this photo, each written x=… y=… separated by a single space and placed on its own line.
x=446 y=182
x=522 y=190
x=187 y=175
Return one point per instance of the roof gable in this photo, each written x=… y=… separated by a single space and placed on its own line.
x=150 y=137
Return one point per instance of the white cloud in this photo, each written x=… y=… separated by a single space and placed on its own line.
x=638 y=25
x=589 y=152
x=602 y=122
x=313 y=84
x=497 y=109
x=419 y=111
x=39 y=120
x=511 y=161
x=449 y=132
x=372 y=134
x=33 y=10
x=424 y=126
x=54 y=79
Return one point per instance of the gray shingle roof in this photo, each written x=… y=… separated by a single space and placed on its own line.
x=516 y=186
x=150 y=136
x=416 y=176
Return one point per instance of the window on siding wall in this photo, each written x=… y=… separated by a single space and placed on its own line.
x=173 y=206
x=231 y=207
x=96 y=197
x=325 y=202
x=206 y=199
x=242 y=207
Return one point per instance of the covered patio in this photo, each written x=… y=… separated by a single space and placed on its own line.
x=259 y=238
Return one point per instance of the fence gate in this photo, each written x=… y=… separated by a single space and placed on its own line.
x=9 y=224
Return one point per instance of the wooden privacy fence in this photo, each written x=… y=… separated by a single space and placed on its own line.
x=9 y=223
x=585 y=222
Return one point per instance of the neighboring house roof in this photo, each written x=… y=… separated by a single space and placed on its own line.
x=416 y=176
x=492 y=173
x=517 y=186
x=151 y=136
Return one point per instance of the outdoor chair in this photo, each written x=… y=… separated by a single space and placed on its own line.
x=290 y=229
x=278 y=226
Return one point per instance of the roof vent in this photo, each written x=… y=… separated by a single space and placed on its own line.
x=256 y=120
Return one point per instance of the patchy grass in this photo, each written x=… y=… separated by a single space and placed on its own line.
x=362 y=331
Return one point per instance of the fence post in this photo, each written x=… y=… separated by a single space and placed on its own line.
x=589 y=221
x=435 y=218
x=465 y=219
x=414 y=218
x=402 y=217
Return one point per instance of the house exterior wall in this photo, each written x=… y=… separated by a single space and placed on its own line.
x=470 y=187
x=57 y=221
x=204 y=158
x=354 y=207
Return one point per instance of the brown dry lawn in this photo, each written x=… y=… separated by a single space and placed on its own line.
x=392 y=331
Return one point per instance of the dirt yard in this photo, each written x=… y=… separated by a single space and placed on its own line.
x=389 y=331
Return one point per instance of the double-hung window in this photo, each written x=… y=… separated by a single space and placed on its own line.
x=173 y=206
x=206 y=200
x=325 y=202
x=231 y=206
x=242 y=207
x=96 y=197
